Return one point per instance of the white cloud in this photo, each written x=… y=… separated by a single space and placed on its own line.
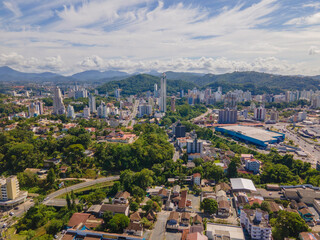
x=308 y=20
x=13 y=7
x=314 y=50
x=315 y=5
x=93 y=62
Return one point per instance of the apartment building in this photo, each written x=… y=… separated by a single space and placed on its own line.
x=256 y=222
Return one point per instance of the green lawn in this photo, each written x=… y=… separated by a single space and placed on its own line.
x=90 y=188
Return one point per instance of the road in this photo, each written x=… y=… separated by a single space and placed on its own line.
x=79 y=186
x=314 y=154
x=202 y=115
x=133 y=114
x=159 y=230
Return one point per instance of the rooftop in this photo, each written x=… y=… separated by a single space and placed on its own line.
x=254 y=132
x=242 y=184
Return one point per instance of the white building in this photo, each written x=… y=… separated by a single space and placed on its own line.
x=144 y=109
x=260 y=113
x=256 y=222
x=86 y=112
x=102 y=110
x=253 y=165
x=58 y=106
x=70 y=112
x=163 y=94
x=92 y=104
x=197 y=179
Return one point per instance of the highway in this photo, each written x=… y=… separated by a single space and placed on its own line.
x=314 y=154
x=79 y=186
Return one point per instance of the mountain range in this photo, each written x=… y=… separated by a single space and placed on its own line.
x=253 y=81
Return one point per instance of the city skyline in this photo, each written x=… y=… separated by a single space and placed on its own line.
x=143 y=35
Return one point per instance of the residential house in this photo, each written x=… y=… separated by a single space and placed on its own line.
x=223 y=207
x=173 y=221
x=197 y=179
x=135 y=229
x=176 y=190
x=121 y=198
x=185 y=219
x=196 y=236
x=115 y=208
x=135 y=217
x=197 y=220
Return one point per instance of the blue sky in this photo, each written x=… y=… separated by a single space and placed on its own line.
x=216 y=36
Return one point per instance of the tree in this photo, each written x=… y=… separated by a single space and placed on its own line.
x=134 y=206
x=209 y=205
x=68 y=201
x=265 y=206
x=51 y=177
x=232 y=170
x=107 y=216
x=55 y=226
x=118 y=223
x=288 y=224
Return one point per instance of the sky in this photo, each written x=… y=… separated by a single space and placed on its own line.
x=206 y=36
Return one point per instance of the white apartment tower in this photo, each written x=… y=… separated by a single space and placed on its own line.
x=58 y=106
x=92 y=104
x=163 y=93
x=70 y=112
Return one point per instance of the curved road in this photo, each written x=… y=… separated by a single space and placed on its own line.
x=79 y=186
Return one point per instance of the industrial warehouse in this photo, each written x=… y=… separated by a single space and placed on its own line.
x=253 y=135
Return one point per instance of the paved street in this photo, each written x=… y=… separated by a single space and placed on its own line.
x=159 y=230
x=314 y=154
x=79 y=186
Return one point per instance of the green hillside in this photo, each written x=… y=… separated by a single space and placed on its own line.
x=141 y=83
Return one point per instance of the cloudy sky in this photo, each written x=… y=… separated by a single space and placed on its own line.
x=217 y=36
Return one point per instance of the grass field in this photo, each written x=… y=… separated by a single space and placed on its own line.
x=89 y=188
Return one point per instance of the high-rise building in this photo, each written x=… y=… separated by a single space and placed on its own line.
x=194 y=146
x=86 y=112
x=155 y=90
x=70 y=112
x=228 y=116
x=83 y=93
x=102 y=110
x=58 y=106
x=117 y=93
x=274 y=115
x=144 y=109
x=163 y=93
x=182 y=93
x=9 y=188
x=40 y=106
x=92 y=104
x=260 y=113
x=179 y=130
x=173 y=104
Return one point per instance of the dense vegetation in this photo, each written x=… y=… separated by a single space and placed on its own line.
x=141 y=83
x=184 y=112
x=152 y=147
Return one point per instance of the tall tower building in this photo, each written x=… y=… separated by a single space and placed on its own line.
x=173 y=104
x=92 y=104
x=163 y=93
x=155 y=90
x=58 y=106
x=117 y=93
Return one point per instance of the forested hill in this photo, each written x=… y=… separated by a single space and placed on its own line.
x=257 y=82
x=143 y=82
